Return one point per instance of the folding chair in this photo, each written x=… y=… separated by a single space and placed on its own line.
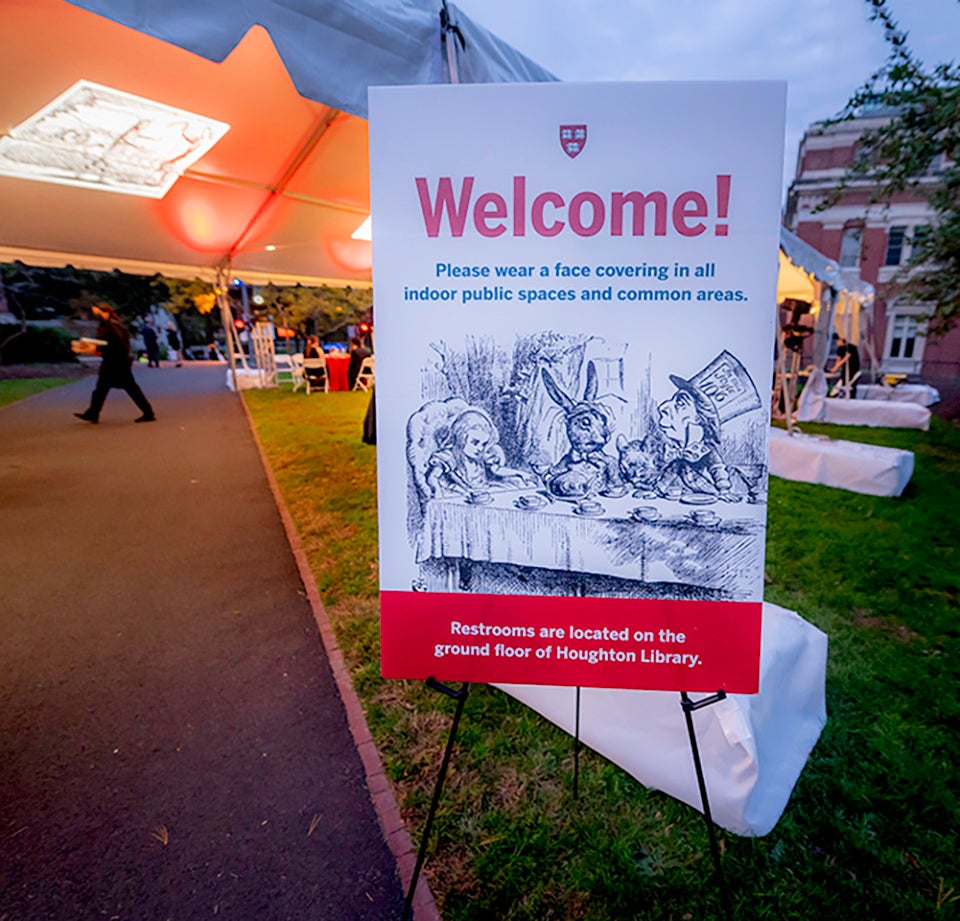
x=365 y=375
x=315 y=374
x=296 y=371
x=289 y=369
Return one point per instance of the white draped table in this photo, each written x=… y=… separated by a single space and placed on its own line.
x=921 y=394
x=864 y=468
x=876 y=413
x=815 y=406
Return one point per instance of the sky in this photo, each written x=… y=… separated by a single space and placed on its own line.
x=824 y=49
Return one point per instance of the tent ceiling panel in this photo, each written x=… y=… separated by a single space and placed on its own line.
x=227 y=201
x=329 y=47
x=332 y=177
x=292 y=170
x=794 y=283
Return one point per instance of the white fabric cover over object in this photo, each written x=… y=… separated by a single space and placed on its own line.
x=863 y=468
x=247 y=379
x=753 y=747
x=922 y=394
x=877 y=413
x=815 y=406
x=812 y=403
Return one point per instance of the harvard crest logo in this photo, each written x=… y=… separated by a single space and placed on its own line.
x=573 y=138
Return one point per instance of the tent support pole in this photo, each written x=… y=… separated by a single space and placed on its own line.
x=227 y=321
x=449 y=29
x=782 y=390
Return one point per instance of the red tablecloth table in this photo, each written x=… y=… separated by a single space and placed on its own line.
x=337 y=371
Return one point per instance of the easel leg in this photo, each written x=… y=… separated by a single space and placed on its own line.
x=576 y=750
x=461 y=698
x=688 y=707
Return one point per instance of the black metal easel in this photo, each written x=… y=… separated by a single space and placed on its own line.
x=460 y=697
x=689 y=706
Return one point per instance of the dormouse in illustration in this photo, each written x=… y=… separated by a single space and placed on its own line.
x=586 y=469
x=691 y=421
x=640 y=460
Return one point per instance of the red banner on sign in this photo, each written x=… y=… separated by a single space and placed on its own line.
x=648 y=644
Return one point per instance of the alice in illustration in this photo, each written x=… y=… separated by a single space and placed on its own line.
x=471 y=460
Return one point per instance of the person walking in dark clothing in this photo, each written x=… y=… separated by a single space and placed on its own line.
x=115 y=367
x=151 y=344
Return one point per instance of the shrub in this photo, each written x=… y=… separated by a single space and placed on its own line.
x=37 y=344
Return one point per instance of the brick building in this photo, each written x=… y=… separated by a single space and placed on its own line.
x=875 y=239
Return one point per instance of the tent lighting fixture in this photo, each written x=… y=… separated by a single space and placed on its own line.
x=96 y=137
x=363 y=231
x=271 y=247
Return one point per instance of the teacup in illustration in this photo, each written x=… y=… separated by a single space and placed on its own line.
x=705 y=516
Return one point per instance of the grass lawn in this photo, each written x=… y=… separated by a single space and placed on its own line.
x=871 y=829
x=17 y=389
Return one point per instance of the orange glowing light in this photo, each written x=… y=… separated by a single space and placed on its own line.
x=351 y=255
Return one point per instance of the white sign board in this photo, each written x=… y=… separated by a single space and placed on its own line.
x=574 y=290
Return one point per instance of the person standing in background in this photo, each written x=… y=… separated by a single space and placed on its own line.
x=358 y=351
x=173 y=344
x=151 y=344
x=115 y=368
x=847 y=365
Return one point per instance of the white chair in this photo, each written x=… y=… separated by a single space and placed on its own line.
x=296 y=371
x=365 y=375
x=315 y=374
x=289 y=368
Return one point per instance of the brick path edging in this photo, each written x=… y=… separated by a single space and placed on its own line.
x=378 y=785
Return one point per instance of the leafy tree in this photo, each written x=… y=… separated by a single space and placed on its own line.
x=316 y=310
x=193 y=304
x=920 y=142
x=40 y=293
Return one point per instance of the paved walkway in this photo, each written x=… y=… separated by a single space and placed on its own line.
x=172 y=742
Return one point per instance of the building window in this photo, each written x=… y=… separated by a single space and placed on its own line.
x=903 y=337
x=920 y=234
x=895 y=245
x=850 y=247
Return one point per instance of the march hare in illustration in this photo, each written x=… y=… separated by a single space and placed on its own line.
x=586 y=469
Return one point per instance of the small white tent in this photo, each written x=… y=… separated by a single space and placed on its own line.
x=840 y=301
